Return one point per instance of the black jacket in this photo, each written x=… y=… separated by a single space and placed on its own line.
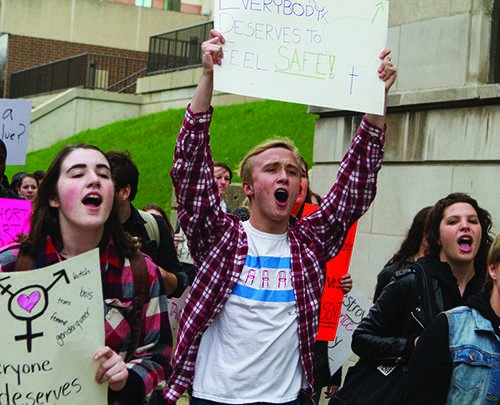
x=386 y=275
x=6 y=192
x=405 y=307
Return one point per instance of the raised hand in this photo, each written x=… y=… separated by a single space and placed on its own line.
x=211 y=51
x=387 y=71
x=211 y=54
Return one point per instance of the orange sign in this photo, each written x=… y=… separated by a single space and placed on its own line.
x=331 y=301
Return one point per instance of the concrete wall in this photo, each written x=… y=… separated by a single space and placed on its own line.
x=57 y=116
x=76 y=110
x=90 y=21
x=443 y=125
x=28 y=52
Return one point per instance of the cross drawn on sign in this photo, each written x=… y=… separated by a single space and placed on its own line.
x=29 y=303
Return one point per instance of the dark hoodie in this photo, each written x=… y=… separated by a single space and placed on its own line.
x=424 y=387
x=448 y=283
x=6 y=192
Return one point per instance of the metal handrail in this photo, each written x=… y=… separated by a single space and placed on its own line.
x=139 y=73
x=177 y=49
x=88 y=70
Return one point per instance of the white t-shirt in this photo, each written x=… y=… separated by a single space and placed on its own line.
x=250 y=353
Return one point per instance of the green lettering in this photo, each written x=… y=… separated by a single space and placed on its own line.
x=281 y=50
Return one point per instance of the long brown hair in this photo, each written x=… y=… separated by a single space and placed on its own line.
x=416 y=234
x=45 y=219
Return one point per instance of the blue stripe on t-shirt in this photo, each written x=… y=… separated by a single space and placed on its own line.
x=264 y=295
x=267 y=262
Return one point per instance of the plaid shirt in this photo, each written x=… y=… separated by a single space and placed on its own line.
x=218 y=242
x=149 y=366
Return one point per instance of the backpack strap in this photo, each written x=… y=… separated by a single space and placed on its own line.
x=140 y=275
x=24 y=262
x=151 y=226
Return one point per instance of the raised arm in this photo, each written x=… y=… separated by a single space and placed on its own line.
x=198 y=199
x=211 y=54
x=356 y=182
x=386 y=72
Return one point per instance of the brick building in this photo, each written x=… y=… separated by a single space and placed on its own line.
x=27 y=52
x=173 y=5
x=37 y=33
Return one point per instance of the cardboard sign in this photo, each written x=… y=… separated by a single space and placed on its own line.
x=333 y=296
x=15 y=124
x=14 y=219
x=354 y=307
x=52 y=323
x=318 y=52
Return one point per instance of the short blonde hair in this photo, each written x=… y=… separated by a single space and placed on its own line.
x=494 y=252
x=493 y=259
x=246 y=165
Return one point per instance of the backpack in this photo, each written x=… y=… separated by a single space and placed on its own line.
x=151 y=226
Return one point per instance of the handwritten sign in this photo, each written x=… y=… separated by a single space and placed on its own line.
x=52 y=324
x=354 y=307
x=319 y=52
x=15 y=124
x=331 y=301
x=14 y=219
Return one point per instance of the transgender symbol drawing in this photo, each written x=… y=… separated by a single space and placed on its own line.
x=29 y=303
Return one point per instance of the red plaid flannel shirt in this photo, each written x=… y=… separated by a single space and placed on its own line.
x=218 y=243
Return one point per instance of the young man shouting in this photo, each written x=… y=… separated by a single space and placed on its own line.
x=248 y=329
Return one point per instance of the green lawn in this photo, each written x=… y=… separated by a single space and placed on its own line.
x=150 y=140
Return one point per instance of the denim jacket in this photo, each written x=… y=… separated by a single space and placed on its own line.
x=475 y=353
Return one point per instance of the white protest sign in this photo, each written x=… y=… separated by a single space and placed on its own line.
x=318 y=52
x=15 y=124
x=52 y=323
x=354 y=308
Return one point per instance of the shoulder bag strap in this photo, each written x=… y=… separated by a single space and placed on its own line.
x=140 y=274
x=426 y=291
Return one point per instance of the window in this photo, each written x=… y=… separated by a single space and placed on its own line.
x=144 y=3
x=173 y=5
